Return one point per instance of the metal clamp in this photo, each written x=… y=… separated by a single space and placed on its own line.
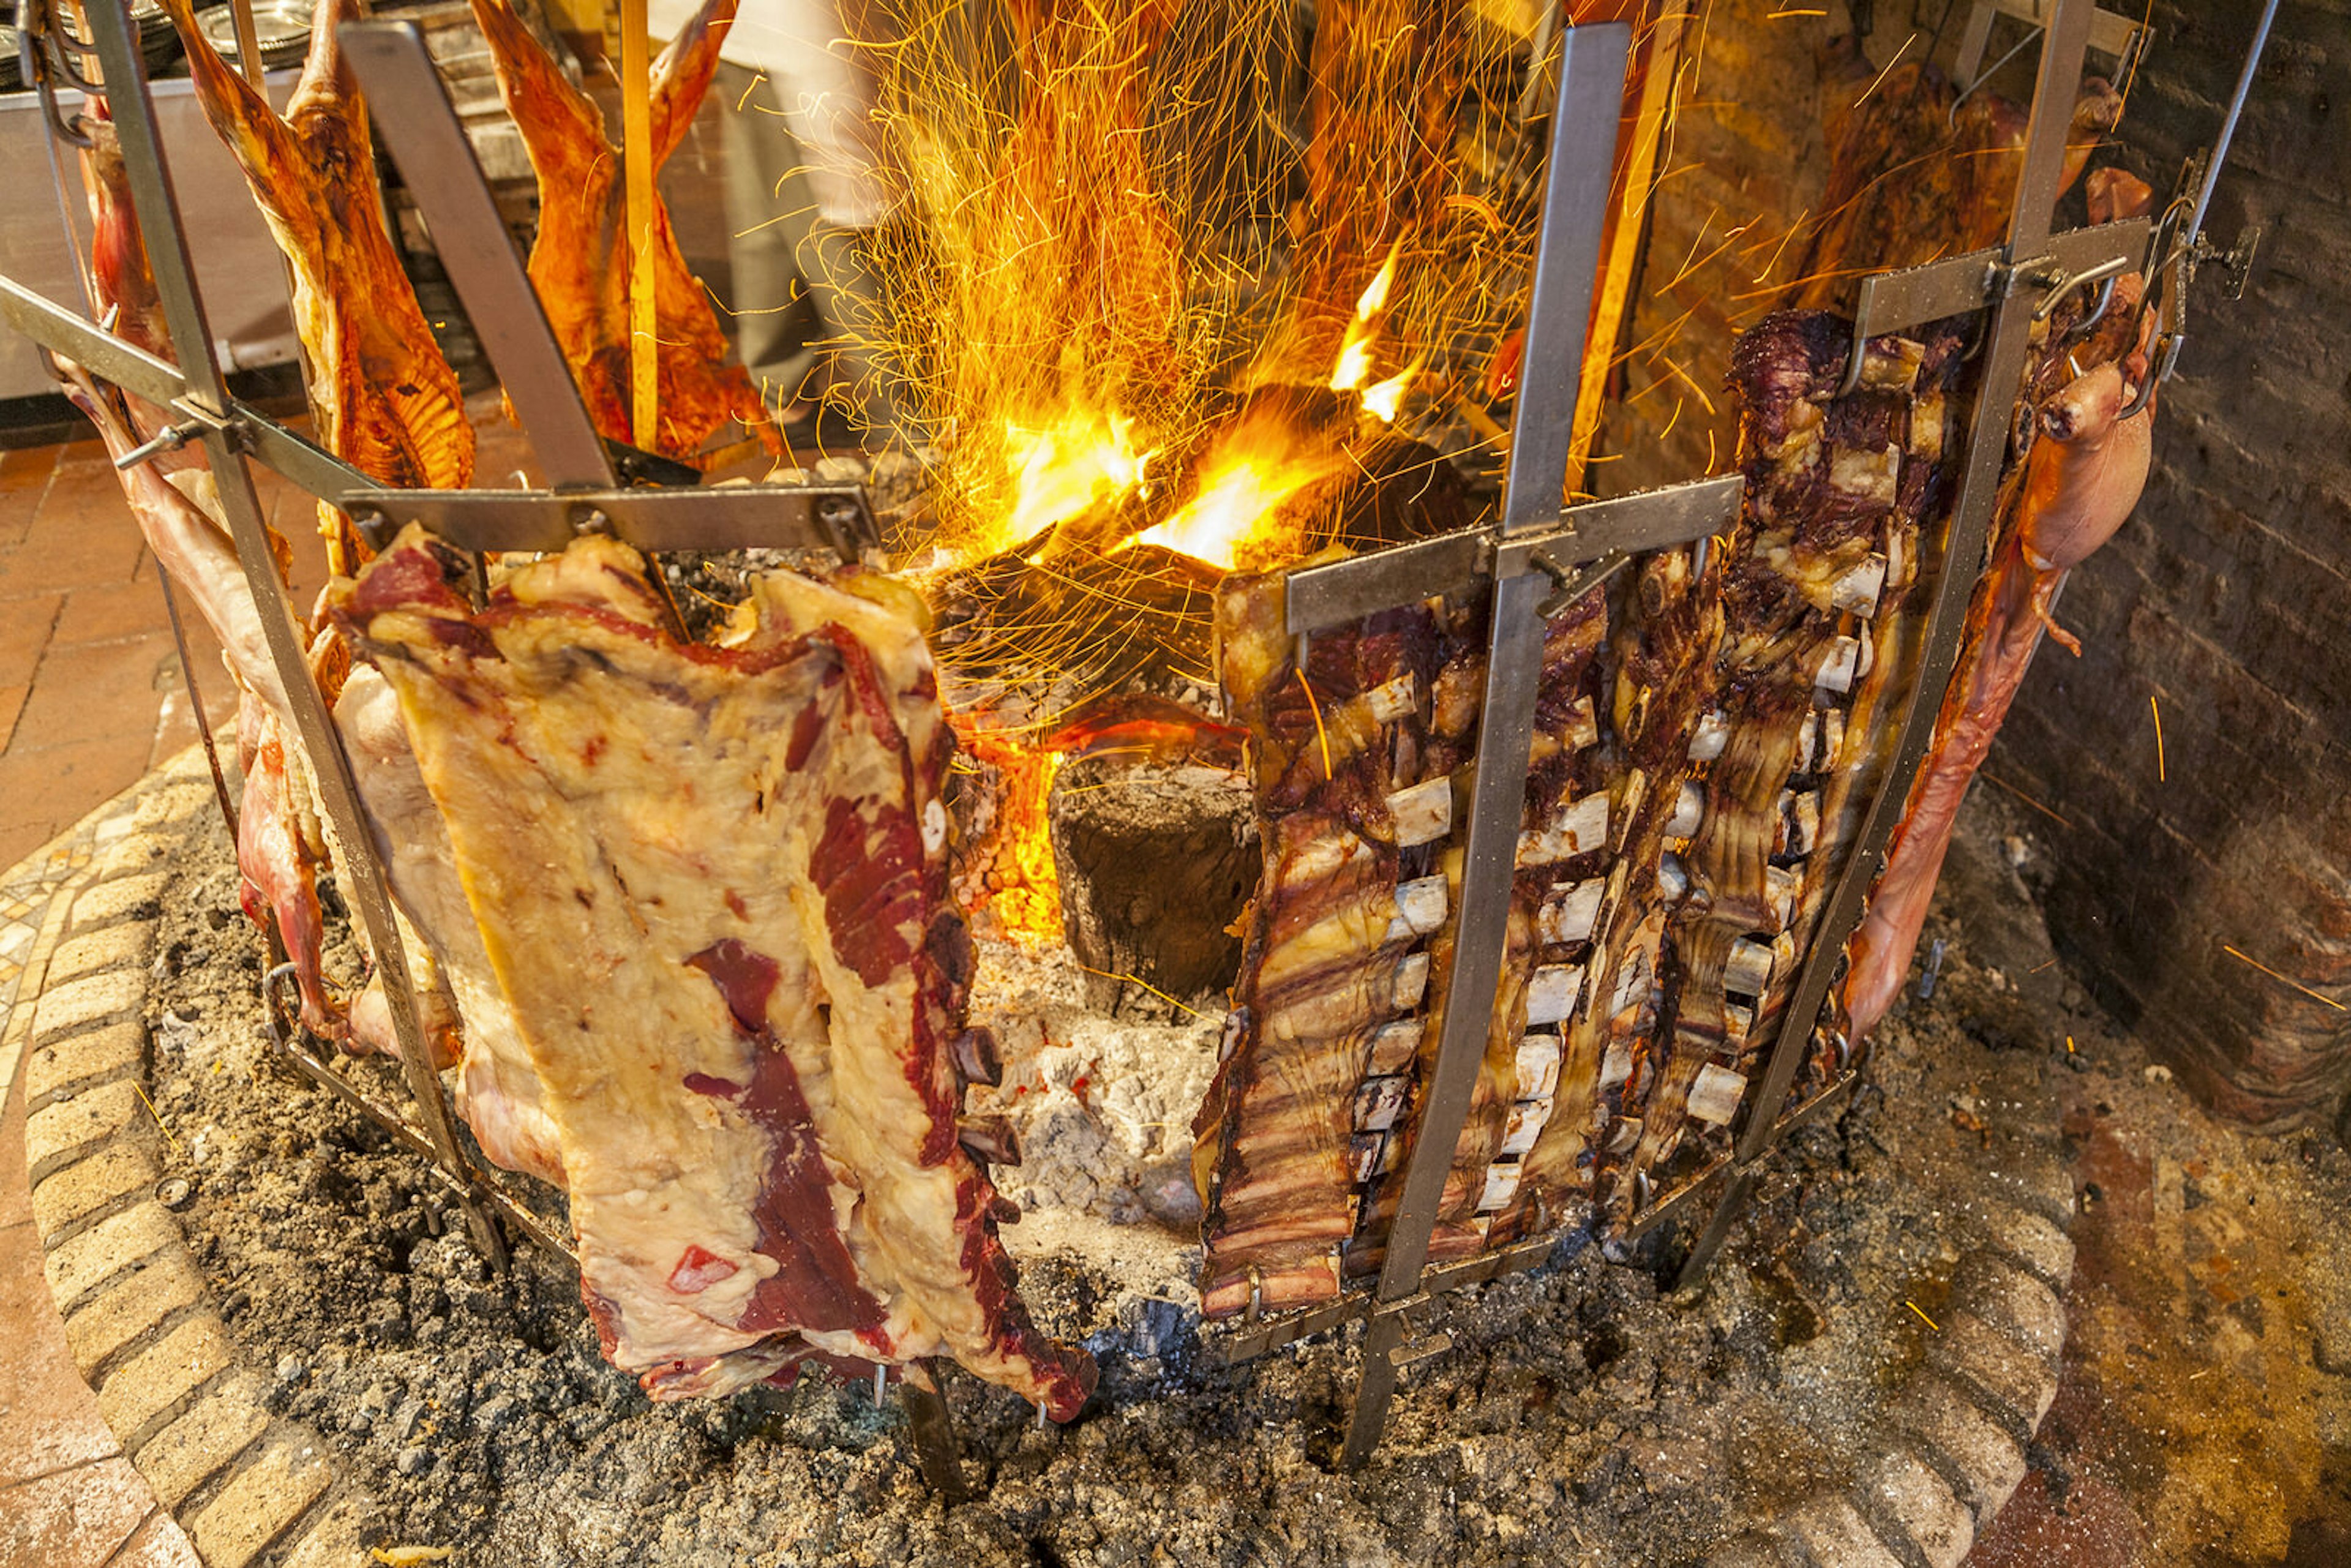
x=171 y=438
x=1570 y=585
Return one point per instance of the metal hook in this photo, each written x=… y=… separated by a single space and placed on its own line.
x=2098 y=311
x=44 y=65
x=2166 y=359
x=2066 y=283
x=63 y=47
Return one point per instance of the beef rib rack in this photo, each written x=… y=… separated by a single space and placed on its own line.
x=711 y=882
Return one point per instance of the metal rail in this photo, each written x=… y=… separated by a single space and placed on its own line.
x=1576 y=195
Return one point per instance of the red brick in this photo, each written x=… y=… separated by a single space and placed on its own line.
x=108 y=614
x=23 y=480
x=77 y=1519
x=83 y=535
x=37 y=1373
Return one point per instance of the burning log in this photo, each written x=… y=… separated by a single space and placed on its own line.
x=711 y=884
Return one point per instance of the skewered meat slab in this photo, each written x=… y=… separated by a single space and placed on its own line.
x=1813 y=631
x=385 y=401
x=1610 y=925
x=711 y=884
x=2079 y=482
x=1914 y=176
x=1350 y=758
x=579 y=260
x=1562 y=859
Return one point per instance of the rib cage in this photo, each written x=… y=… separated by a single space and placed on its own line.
x=1704 y=731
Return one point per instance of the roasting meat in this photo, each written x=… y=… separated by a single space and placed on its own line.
x=2079 y=482
x=711 y=883
x=1815 y=633
x=579 y=260
x=1351 y=764
x=1610 y=927
x=384 y=400
x=1912 y=178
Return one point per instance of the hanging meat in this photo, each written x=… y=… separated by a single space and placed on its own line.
x=1350 y=761
x=384 y=400
x=2083 y=469
x=1606 y=928
x=579 y=261
x=711 y=884
x=1917 y=172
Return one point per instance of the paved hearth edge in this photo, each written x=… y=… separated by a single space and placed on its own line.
x=252 y=1488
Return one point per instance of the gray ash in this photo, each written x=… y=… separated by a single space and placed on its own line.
x=1583 y=1416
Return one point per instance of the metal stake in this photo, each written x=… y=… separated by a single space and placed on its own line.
x=208 y=397
x=931 y=1422
x=1576 y=198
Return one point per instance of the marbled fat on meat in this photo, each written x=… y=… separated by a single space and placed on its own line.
x=711 y=883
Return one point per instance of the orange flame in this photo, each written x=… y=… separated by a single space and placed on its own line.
x=1024 y=886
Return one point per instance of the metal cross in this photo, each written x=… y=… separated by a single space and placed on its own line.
x=1537 y=558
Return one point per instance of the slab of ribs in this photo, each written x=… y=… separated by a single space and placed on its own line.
x=1710 y=731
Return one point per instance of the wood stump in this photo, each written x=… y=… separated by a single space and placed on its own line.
x=1156 y=862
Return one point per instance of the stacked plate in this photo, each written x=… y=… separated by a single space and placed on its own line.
x=281 y=28
x=159 y=44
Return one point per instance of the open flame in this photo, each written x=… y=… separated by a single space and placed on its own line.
x=1023 y=884
x=1354 y=366
x=1062 y=470
x=1121 y=315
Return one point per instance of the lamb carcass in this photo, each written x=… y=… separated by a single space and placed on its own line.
x=579 y=260
x=385 y=401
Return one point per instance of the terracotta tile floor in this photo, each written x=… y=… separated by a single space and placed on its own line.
x=90 y=693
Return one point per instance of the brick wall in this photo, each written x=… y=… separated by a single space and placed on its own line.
x=2228 y=600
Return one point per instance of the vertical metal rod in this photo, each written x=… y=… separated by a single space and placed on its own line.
x=196 y=700
x=931 y=1422
x=248 y=46
x=158 y=211
x=2010 y=339
x=2229 y=125
x=637 y=175
x=1575 y=197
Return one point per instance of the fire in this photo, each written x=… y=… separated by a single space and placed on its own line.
x=1235 y=515
x=1383 y=401
x=1354 y=366
x=1081 y=460
x=1023 y=884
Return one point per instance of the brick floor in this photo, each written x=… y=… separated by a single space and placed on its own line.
x=90 y=692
